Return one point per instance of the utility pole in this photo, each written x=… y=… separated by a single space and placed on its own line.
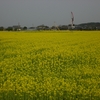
x=56 y=25
x=72 y=20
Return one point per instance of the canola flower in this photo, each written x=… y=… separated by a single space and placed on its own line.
x=50 y=65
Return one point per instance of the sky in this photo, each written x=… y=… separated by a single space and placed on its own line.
x=37 y=12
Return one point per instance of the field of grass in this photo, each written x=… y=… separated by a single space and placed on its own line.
x=50 y=65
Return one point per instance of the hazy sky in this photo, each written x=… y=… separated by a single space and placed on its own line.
x=38 y=12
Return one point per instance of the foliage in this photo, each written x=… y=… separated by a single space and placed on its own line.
x=9 y=28
x=1 y=28
x=50 y=65
x=24 y=28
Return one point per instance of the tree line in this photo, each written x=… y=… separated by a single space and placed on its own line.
x=83 y=26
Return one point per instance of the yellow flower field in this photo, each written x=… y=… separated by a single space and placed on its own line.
x=50 y=65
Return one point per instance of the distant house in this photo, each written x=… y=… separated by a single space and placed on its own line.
x=32 y=28
x=98 y=28
x=43 y=27
x=70 y=27
x=17 y=28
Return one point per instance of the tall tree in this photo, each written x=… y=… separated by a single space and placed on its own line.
x=1 y=28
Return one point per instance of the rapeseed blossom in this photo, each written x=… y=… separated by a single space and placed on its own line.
x=49 y=65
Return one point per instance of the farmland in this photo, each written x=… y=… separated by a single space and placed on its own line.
x=50 y=65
